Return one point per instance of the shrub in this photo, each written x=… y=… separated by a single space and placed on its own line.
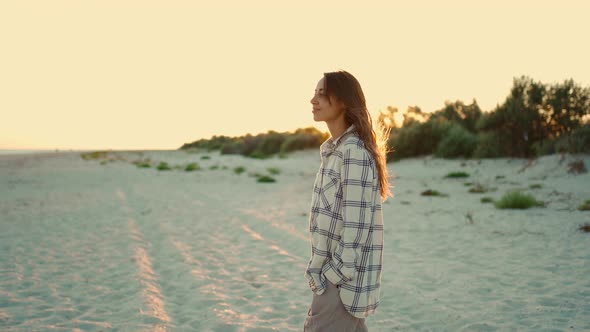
x=163 y=166
x=431 y=192
x=94 y=155
x=143 y=165
x=478 y=189
x=517 y=200
x=205 y=157
x=418 y=138
x=300 y=142
x=536 y=186
x=274 y=170
x=579 y=140
x=192 y=167
x=239 y=170
x=488 y=145
x=486 y=200
x=585 y=228
x=213 y=167
x=457 y=175
x=265 y=179
x=458 y=142
x=585 y=206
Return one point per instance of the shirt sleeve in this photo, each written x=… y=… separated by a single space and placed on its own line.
x=357 y=186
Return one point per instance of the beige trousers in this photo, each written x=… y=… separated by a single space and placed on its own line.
x=327 y=314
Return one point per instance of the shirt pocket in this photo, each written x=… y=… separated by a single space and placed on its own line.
x=328 y=190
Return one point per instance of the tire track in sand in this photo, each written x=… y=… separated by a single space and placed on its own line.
x=152 y=295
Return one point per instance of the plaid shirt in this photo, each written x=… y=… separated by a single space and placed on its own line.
x=346 y=225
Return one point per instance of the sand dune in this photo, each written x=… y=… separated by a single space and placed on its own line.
x=87 y=246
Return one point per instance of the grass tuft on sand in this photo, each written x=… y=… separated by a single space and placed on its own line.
x=584 y=206
x=239 y=170
x=431 y=192
x=486 y=199
x=274 y=170
x=517 y=200
x=455 y=175
x=265 y=179
x=192 y=167
x=163 y=166
x=478 y=189
x=585 y=228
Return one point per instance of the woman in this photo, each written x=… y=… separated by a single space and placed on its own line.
x=346 y=220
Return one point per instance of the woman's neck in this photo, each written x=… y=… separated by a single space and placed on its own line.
x=337 y=127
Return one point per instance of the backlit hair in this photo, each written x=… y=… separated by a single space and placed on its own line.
x=346 y=89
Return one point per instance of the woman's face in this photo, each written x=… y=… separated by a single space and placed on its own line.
x=322 y=109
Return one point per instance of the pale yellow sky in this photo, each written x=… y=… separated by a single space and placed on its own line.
x=157 y=74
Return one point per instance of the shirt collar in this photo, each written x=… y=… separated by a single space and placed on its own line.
x=331 y=143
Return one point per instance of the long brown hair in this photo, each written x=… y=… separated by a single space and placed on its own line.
x=346 y=89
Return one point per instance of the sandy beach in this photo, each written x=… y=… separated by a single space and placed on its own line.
x=91 y=246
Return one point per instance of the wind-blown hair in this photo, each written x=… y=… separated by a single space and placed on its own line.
x=345 y=88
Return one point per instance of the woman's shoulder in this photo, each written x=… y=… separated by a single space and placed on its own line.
x=354 y=147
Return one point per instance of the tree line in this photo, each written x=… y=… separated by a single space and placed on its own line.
x=535 y=119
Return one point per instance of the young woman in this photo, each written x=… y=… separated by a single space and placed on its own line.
x=346 y=220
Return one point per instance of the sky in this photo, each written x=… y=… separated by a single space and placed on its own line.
x=135 y=75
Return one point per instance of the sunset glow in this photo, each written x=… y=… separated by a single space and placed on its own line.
x=156 y=75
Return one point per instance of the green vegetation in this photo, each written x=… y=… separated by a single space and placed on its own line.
x=457 y=175
x=536 y=186
x=205 y=157
x=585 y=228
x=517 y=200
x=274 y=170
x=214 y=167
x=239 y=170
x=585 y=206
x=431 y=192
x=163 y=166
x=94 y=155
x=265 y=179
x=478 y=189
x=192 y=167
x=534 y=119
x=263 y=146
x=486 y=199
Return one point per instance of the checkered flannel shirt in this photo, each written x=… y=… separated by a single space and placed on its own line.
x=346 y=224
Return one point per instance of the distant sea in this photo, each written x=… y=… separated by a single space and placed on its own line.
x=29 y=151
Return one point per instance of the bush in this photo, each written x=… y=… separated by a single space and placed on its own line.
x=585 y=206
x=457 y=175
x=239 y=170
x=517 y=200
x=94 y=155
x=192 y=167
x=419 y=138
x=488 y=146
x=163 y=166
x=274 y=170
x=478 y=189
x=579 y=140
x=486 y=200
x=458 y=142
x=431 y=192
x=585 y=228
x=265 y=179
